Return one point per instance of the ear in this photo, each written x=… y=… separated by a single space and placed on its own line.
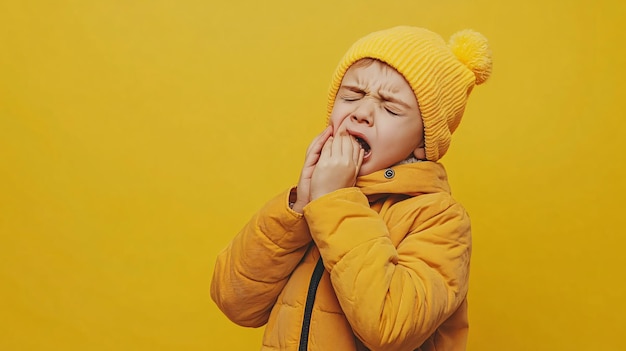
x=420 y=153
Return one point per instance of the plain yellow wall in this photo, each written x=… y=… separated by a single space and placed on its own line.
x=137 y=137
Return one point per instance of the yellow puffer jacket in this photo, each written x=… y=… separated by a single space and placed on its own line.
x=395 y=250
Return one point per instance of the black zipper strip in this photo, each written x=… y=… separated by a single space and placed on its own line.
x=308 y=307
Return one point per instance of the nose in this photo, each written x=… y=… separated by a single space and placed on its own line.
x=364 y=112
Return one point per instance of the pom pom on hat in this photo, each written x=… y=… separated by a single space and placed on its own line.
x=471 y=48
x=442 y=75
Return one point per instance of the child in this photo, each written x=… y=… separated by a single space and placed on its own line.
x=369 y=251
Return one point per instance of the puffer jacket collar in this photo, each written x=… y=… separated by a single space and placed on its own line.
x=410 y=179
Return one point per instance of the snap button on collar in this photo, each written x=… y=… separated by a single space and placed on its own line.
x=389 y=173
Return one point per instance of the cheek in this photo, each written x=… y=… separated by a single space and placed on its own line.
x=336 y=117
x=410 y=138
x=401 y=138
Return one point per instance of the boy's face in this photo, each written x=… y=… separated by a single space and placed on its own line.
x=377 y=106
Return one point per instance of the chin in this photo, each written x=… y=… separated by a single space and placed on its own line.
x=364 y=172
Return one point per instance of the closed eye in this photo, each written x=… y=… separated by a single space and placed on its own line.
x=392 y=112
x=350 y=93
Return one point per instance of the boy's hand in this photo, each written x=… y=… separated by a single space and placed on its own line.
x=338 y=165
x=310 y=160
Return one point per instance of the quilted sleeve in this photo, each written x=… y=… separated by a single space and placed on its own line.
x=393 y=297
x=250 y=273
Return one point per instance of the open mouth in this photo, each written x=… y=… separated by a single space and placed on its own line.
x=364 y=145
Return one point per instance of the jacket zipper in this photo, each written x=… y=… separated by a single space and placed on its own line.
x=308 y=307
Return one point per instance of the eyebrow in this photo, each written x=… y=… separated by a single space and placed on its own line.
x=383 y=95
x=353 y=88
x=393 y=99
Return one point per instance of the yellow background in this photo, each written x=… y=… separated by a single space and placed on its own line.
x=137 y=137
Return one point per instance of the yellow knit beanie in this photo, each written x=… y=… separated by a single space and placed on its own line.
x=441 y=75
